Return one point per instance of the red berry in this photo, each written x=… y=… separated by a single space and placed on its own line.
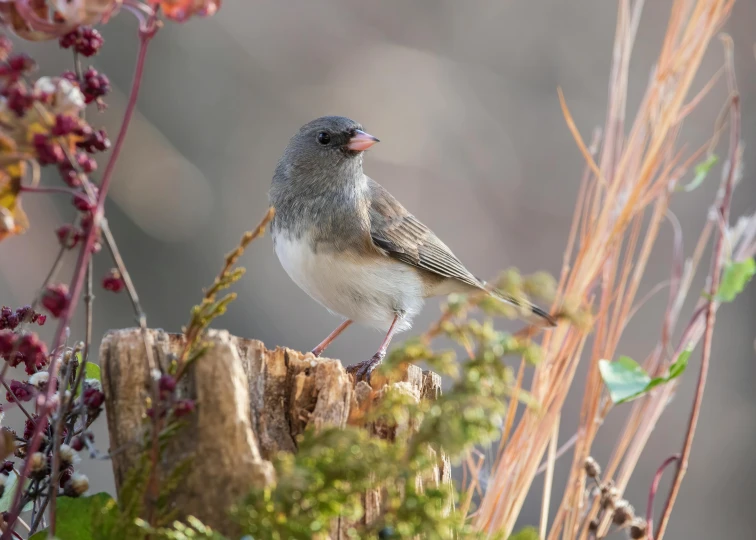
x=71 y=76
x=65 y=474
x=86 y=163
x=85 y=40
x=21 y=391
x=6 y=467
x=96 y=142
x=19 y=99
x=95 y=85
x=91 y=41
x=32 y=352
x=166 y=384
x=10 y=319
x=77 y=444
x=30 y=424
x=55 y=299
x=48 y=152
x=93 y=398
x=113 y=281
x=69 y=40
x=68 y=235
x=183 y=407
x=82 y=203
x=16 y=66
x=64 y=125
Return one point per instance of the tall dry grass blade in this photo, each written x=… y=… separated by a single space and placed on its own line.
x=623 y=203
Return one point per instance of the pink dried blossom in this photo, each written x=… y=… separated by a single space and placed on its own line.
x=21 y=391
x=10 y=319
x=183 y=10
x=55 y=299
x=41 y=20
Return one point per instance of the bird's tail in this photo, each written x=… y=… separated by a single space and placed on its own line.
x=528 y=311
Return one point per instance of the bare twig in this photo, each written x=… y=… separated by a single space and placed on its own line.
x=52 y=490
x=715 y=276
x=652 y=492
x=146 y=33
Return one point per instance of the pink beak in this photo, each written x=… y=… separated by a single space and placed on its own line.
x=361 y=141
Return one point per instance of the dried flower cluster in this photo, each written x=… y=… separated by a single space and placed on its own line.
x=615 y=509
x=50 y=121
x=77 y=415
x=10 y=319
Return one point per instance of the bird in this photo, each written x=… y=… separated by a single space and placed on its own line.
x=352 y=247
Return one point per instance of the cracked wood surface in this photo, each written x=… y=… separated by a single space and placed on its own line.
x=251 y=402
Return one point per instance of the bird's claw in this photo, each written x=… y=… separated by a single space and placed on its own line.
x=364 y=370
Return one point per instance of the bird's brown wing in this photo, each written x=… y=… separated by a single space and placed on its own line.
x=403 y=237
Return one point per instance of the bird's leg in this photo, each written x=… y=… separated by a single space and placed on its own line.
x=317 y=351
x=363 y=370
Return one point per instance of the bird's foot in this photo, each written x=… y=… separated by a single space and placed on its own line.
x=364 y=370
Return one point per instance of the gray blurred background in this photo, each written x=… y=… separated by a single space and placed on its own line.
x=463 y=97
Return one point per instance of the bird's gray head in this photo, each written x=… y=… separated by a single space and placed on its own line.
x=328 y=149
x=320 y=174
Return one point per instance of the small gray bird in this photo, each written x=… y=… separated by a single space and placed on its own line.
x=350 y=245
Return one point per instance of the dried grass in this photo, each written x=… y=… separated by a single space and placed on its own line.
x=623 y=202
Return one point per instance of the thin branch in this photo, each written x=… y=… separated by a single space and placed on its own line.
x=549 y=480
x=559 y=453
x=146 y=33
x=40 y=516
x=132 y=292
x=652 y=492
x=715 y=277
x=57 y=432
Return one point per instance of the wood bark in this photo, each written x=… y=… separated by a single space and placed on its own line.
x=251 y=402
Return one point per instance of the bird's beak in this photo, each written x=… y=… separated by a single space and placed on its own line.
x=361 y=141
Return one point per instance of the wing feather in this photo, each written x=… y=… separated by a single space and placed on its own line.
x=403 y=237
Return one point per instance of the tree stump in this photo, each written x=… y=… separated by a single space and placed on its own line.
x=251 y=403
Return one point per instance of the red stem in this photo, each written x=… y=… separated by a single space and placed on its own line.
x=653 y=490
x=715 y=277
x=146 y=33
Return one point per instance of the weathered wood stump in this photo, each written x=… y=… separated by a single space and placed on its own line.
x=251 y=403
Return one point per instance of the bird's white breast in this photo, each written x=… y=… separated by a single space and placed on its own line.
x=370 y=292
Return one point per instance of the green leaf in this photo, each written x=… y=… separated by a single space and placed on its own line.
x=736 y=276
x=675 y=370
x=526 y=533
x=73 y=517
x=10 y=491
x=92 y=371
x=679 y=365
x=702 y=170
x=624 y=378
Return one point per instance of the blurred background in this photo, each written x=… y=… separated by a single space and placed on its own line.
x=463 y=96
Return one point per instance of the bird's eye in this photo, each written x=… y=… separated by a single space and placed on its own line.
x=324 y=138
